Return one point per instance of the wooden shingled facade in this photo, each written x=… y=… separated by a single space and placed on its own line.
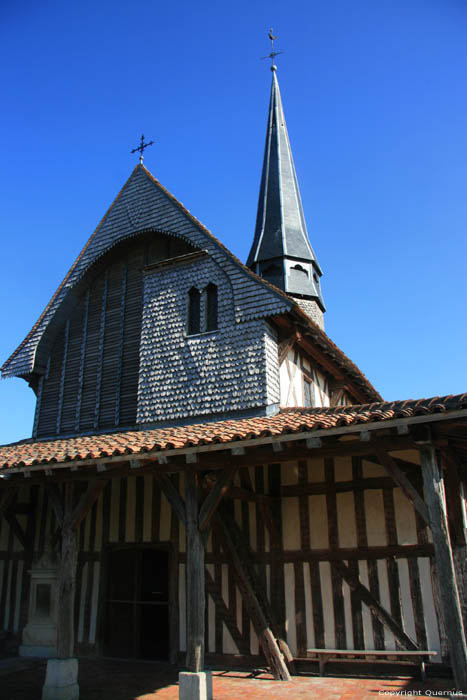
x=92 y=372
x=330 y=539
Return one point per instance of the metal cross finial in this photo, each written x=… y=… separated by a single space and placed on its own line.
x=141 y=148
x=273 y=53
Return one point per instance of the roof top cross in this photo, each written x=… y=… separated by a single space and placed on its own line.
x=273 y=53
x=141 y=148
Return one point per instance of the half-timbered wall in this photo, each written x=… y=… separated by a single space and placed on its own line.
x=91 y=380
x=301 y=382
x=308 y=515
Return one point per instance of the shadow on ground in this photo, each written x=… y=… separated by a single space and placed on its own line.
x=102 y=679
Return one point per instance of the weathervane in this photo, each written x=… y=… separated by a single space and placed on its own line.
x=273 y=53
x=141 y=148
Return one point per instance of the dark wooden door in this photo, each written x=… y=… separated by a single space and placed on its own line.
x=137 y=604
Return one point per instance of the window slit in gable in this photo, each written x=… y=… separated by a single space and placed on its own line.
x=194 y=311
x=211 y=307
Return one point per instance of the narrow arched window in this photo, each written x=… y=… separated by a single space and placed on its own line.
x=211 y=307
x=194 y=311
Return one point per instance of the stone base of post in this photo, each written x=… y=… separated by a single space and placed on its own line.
x=195 y=686
x=61 y=680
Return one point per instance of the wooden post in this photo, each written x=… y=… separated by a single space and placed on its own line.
x=195 y=593
x=67 y=581
x=434 y=494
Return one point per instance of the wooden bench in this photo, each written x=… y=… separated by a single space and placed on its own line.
x=325 y=655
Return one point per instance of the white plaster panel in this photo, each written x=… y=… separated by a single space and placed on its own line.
x=228 y=644
x=374 y=517
x=409 y=455
x=289 y=473
x=290 y=622
x=328 y=605
x=318 y=522
x=166 y=512
x=406 y=599
x=315 y=470
x=366 y=614
x=405 y=518
x=284 y=381
x=429 y=610
x=343 y=469
x=291 y=523
x=346 y=520
x=254 y=645
x=385 y=600
x=348 y=615
x=369 y=469
x=310 y=630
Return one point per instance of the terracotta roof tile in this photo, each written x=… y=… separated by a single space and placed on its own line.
x=289 y=420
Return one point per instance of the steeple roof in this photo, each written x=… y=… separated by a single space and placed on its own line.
x=281 y=231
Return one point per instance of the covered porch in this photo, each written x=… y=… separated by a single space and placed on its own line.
x=299 y=584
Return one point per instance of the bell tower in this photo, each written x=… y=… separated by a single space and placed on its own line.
x=281 y=250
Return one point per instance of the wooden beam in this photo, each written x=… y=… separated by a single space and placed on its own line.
x=18 y=530
x=404 y=482
x=67 y=580
x=261 y=623
x=86 y=501
x=213 y=499
x=172 y=495
x=195 y=580
x=230 y=621
x=364 y=595
x=454 y=505
x=434 y=492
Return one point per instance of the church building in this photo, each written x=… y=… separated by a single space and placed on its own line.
x=210 y=480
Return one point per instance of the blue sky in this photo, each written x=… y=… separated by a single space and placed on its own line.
x=375 y=98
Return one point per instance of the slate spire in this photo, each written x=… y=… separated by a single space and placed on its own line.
x=281 y=250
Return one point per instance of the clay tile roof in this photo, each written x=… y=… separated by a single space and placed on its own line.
x=289 y=420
